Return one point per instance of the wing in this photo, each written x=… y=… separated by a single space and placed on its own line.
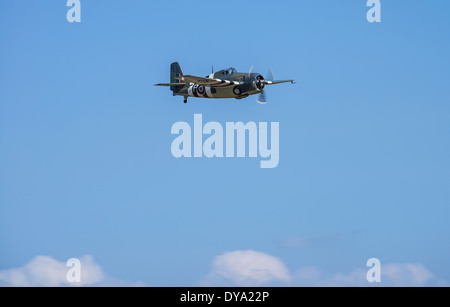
x=208 y=82
x=278 y=82
x=170 y=84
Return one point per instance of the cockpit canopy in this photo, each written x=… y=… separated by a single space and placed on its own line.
x=224 y=72
x=229 y=71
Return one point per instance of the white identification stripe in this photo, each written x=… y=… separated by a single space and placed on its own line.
x=226 y=81
x=208 y=92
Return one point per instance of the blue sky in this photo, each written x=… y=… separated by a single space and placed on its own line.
x=85 y=161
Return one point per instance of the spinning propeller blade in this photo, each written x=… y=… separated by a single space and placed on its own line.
x=262 y=97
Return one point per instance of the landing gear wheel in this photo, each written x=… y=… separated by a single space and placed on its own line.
x=185 y=100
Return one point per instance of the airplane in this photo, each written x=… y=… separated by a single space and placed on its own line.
x=226 y=83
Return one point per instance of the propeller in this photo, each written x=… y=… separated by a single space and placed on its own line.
x=248 y=83
x=250 y=72
x=262 y=97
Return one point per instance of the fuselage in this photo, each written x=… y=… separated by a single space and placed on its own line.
x=224 y=90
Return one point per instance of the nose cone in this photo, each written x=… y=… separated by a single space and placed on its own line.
x=259 y=81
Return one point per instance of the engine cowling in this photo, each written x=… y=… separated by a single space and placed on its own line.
x=251 y=84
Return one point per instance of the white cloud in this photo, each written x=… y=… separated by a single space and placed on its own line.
x=356 y=278
x=250 y=268
x=307 y=275
x=407 y=274
x=394 y=274
x=44 y=271
x=247 y=268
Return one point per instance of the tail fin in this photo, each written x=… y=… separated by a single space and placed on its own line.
x=175 y=72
